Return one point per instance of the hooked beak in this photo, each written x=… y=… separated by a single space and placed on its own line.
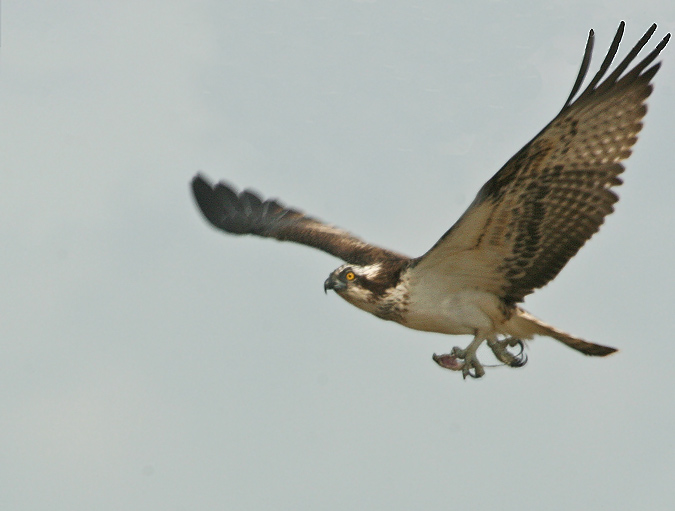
x=334 y=284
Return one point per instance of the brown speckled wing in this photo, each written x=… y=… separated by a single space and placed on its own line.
x=532 y=216
x=247 y=213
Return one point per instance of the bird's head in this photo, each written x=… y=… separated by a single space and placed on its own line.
x=359 y=285
x=343 y=278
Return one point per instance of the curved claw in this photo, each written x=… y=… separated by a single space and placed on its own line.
x=521 y=358
x=478 y=371
x=501 y=351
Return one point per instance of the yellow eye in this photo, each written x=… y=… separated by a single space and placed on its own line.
x=350 y=275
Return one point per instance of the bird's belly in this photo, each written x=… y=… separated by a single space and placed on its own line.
x=466 y=312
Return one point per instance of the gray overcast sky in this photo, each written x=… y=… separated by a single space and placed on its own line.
x=148 y=362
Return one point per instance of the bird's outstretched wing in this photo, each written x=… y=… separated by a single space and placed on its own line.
x=532 y=216
x=247 y=213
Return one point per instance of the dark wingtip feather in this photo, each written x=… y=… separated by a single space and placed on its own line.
x=238 y=212
x=203 y=192
x=585 y=63
x=223 y=207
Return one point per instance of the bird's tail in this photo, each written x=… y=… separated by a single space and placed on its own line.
x=524 y=325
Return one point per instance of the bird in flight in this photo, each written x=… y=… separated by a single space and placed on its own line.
x=522 y=228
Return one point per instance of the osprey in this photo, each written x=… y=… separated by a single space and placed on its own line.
x=524 y=225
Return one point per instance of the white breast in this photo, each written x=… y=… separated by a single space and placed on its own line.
x=434 y=307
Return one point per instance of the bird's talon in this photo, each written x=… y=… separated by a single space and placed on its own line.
x=472 y=363
x=500 y=350
x=458 y=352
x=461 y=360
